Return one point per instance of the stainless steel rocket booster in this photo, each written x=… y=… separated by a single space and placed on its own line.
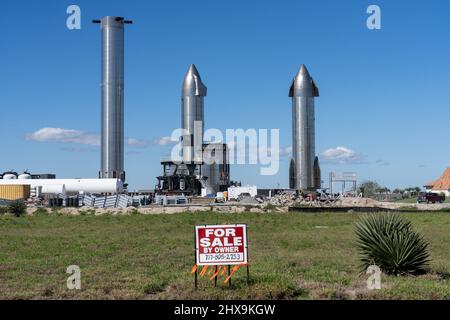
x=112 y=97
x=304 y=171
x=192 y=115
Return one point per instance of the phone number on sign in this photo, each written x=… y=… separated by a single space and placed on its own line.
x=221 y=257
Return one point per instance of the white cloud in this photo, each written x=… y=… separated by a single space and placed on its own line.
x=60 y=135
x=137 y=143
x=285 y=151
x=163 y=141
x=64 y=136
x=341 y=155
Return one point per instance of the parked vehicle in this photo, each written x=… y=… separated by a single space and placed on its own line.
x=244 y=195
x=220 y=198
x=430 y=197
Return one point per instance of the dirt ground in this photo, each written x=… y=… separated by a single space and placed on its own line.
x=237 y=208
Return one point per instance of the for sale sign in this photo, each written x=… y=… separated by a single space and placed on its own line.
x=221 y=244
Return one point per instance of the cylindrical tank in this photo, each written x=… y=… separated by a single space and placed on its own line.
x=24 y=175
x=192 y=112
x=74 y=186
x=303 y=90
x=9 y=175
x=112 y=98
x=53 y=189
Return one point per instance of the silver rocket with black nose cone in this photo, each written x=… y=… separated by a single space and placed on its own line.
x=304 y=171
x=192 y=115
x=112 y=87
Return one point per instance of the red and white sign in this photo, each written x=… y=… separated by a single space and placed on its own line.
x=221 y=244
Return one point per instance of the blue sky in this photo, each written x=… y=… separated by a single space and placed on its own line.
x=385 y=94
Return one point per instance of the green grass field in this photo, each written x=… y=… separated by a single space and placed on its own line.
x=292 y=256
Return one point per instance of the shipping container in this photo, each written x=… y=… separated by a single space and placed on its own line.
x=14 y=192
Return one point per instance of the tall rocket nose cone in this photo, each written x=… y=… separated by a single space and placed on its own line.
x=303 y=72
x=303 y=85
x=192 y=84
x=193 y=71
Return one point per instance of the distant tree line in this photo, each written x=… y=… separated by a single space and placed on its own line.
x=370 y=189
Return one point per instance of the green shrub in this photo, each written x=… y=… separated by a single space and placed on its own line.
x=388 y=241
x=3 y=210
x=17 y=208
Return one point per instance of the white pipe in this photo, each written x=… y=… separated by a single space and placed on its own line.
x=54 y=189
x=73 y=185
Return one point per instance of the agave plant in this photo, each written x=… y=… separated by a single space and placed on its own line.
x=389 y=241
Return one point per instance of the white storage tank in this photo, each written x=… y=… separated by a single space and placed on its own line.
x=24 y=175
x=53 y=189
x=74 y=186
x=9 y=175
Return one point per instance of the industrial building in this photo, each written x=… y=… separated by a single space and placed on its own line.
x=14 y=192
x=216 y=167
x=211 y=176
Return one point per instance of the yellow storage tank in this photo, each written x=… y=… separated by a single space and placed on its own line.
x=15 y=192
